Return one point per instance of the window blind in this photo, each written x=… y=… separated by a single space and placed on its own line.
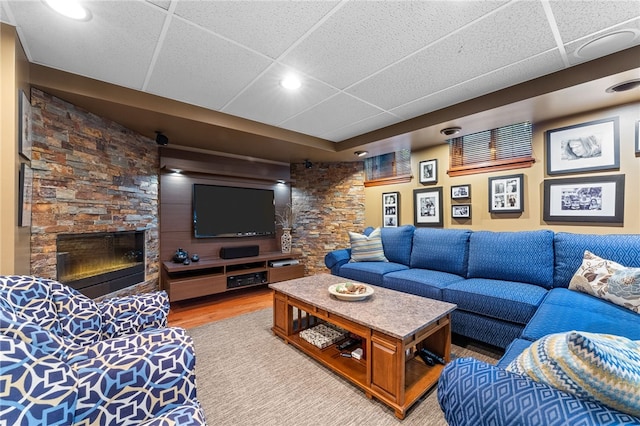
x=386 y=168
x=503 y=148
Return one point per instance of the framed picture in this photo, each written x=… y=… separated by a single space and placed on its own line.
x=390 y=209
x=429 y=171
x=585 y=147
x=460 y=192
x=427 y=207
x=25 y=182
x=506 y=194
x=638 y=138
x=24 y=134
x=584 y=199
x=461 y=211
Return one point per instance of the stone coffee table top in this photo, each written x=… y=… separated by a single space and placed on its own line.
x=388 y=311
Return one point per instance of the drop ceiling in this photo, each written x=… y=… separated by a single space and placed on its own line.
x=376 y=75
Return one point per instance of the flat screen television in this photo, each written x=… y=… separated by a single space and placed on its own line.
x=227 y=211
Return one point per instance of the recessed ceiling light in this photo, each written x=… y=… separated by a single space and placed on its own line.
x=360 y=153
x=291 y=82
x=70 y=8
x=450 y=131
x=624 y=86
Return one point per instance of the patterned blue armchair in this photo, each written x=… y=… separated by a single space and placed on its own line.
x=65 y=359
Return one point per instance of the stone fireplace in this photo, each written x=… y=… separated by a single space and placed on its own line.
x=102 y=262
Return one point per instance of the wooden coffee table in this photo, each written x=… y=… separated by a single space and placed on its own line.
x=391 y=324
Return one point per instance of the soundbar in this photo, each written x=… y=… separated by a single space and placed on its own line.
x=239 y=251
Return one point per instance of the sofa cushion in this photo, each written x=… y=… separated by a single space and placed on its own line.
x=569 y=250
x=486 y=329
x=397 y=243
x=38 y=337
x=31 y=299
x=367 y=248
x=369 y=272
x=79 y=316
x=506 y=300
x=597 y=367
x=421 y=282
x=525 y=256
x=564 y=310
x=445 y=250
x=608 y=280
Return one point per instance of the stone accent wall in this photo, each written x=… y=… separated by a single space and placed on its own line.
x=331 y=201
x=90 y=175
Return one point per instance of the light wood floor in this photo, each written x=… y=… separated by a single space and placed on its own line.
x=203 y=310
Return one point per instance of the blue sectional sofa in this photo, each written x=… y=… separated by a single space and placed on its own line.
x=510 y=289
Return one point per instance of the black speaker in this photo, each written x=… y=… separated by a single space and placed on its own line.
x=239 y=251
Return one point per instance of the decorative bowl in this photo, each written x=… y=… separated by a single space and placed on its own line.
x=349 y=297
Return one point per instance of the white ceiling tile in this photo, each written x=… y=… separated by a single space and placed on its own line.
x=363 y=37
x=399 y=59
x=268 y=102
x=200 y=68
x=4 y=16
x=576 y=19
x=368 y=124
x=118 y=47
x=243 y=21
x=335 y=113
x=526 y=70
x=161 y=3
x=513 y=34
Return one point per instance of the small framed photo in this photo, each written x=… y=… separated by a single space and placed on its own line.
x=461 y=192
x=427 y=207
x=638 y=138
x=429 y=171
x=390 y=209
x=506 y=194
x=26 y=125
x=584 y=199
x=461 y=211
x=585 y=147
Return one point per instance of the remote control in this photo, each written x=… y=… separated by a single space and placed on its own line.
x=433 y=356
x=426 y=358
x=347 y=344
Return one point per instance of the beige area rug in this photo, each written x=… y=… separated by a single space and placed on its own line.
x=248 y=376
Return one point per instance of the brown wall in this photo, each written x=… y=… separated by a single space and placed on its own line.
x=14 y=75
x=90 y=175
x=532 y=216
x=176 y=217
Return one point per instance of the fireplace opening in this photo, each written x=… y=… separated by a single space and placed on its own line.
x=100 y=263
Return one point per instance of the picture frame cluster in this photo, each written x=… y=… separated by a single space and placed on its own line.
x=461 y=193
x=593 y=146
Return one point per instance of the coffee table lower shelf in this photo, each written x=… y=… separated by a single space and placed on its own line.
x=389 y=370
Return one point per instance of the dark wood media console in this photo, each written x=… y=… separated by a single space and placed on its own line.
x=216 y=275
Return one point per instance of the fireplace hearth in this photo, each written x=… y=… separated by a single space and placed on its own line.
x=100 y=263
